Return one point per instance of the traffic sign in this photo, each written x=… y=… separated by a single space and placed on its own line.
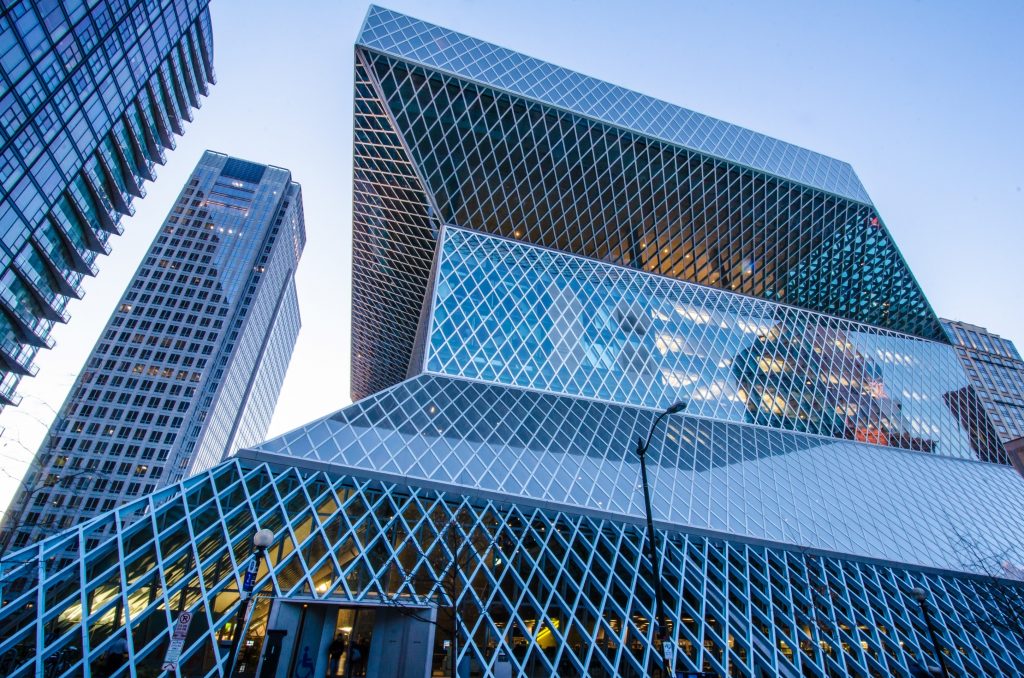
x=178 y=635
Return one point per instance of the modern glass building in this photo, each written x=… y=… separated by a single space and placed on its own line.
x=543 y=262
x=996 y=372
x=190 y=364
x=91 y=93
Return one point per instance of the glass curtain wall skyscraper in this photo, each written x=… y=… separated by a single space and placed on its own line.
x=190 y=364
x=91 y=95
x=996 y=372
x=544 y=262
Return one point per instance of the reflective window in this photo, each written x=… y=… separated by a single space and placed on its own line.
x=515 y=314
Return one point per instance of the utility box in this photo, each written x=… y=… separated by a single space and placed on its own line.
x=502 y=666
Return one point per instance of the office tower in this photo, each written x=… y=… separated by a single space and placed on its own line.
x=92 y=93
x=996 y=371
x=543 y=263
x=190 y=364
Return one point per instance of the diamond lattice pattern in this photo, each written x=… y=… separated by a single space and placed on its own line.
x=514 y=314
x=557 y=593
x=433 y=148
x=754 y=482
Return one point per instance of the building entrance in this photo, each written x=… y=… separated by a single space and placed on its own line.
x=314 y=639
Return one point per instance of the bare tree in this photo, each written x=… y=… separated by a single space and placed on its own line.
x=10 y=524
x=13 y=570
x=1003 y=593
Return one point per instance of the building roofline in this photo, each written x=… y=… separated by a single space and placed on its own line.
x=504 y=69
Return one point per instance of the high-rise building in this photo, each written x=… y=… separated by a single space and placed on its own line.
x=996 y=371
x=190 y=364
x=91 y=94
x=543 y=264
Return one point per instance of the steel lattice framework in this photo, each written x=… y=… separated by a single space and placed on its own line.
x=562 y=593
x=451 y=130
x=542 y=263
x=565 y=324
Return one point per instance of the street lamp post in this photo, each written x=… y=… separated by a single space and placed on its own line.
x=921 y=596
x=261 y=540
x=661 y=622
x=456 y=523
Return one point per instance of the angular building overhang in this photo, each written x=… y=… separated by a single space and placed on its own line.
x=468 y=58
x=484 y=138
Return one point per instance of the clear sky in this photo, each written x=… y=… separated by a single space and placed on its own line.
x=924 y=99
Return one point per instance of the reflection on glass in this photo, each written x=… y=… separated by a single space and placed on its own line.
x=514 y=314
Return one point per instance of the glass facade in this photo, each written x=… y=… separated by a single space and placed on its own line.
x=91 y=93
x=542 y=263
x=191 y=362
x=559 y=592
x=524 y=316
x=434 y=148
x=996 y=372
x=777 y=486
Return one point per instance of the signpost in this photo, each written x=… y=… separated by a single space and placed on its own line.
x=249 y=583
x=261 y=540
x=177 y=642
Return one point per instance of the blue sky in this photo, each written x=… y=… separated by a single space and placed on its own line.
x=924 y=99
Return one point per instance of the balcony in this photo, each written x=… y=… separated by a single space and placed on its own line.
x=51 y=304
x=79 y=260
x=66 y=279
x=7 y=387
x=16 y=358
x=33 y=330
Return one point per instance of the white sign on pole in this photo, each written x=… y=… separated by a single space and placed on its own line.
x=177 y=642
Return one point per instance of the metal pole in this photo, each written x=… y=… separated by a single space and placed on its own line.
x=652 y=552
x=243 y=608
x=935 y=638
x=455 y=596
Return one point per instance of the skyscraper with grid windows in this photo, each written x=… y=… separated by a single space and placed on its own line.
x=544 y=264
x=91 y=93
x=190 y=364
x=996 y=371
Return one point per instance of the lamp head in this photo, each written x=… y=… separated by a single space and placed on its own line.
x=263 y=539
x=918 y=594
x=676 y=408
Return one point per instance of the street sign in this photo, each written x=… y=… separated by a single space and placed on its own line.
x=177 y=642
x=668 y=650
x=249 y=583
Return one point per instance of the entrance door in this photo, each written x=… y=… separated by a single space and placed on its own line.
x=349 y=652
x=325 y=640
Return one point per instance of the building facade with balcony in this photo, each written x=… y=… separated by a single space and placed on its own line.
x=91 y=95
x=544 y=262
